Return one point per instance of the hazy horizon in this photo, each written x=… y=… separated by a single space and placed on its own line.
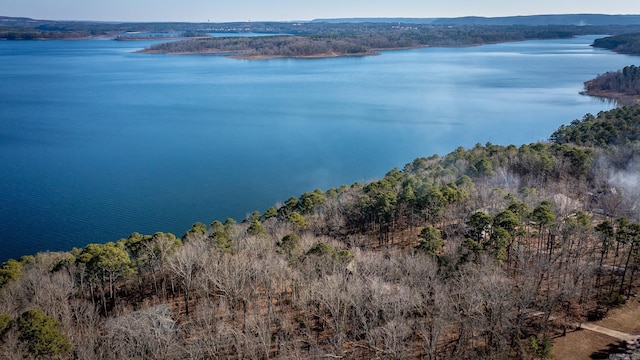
x=289 y=10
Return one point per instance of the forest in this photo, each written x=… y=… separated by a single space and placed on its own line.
x=622 y=86
x=623 y=43
x=484 y=253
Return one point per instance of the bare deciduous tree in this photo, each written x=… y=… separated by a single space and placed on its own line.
x=149 y=333
x=185 y=263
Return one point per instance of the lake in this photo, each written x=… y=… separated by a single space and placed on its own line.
x=97 y=141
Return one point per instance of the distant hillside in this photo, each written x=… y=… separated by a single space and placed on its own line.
x=532 y=20
x=536 y=20
x=19 y=21
x=14 y=28
x=376 y=20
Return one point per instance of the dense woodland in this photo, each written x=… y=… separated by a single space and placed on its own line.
x=623 y=43
x=485 y=253
x=622 y=86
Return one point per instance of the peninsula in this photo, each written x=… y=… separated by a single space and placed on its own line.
x=622 y=44
x=622 y=86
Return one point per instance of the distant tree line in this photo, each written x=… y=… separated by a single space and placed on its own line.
x=398 y=34
x=37 y=34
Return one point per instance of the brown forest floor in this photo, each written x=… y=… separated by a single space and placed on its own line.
x=585 y=344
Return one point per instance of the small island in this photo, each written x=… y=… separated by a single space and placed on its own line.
x=266 y=47
x=358 y=40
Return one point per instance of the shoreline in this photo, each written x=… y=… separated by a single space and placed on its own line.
x=620 y=99
x=372 y=52
x=239 y=56
x=315 y=56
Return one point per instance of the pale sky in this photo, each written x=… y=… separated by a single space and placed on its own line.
x=288 y=10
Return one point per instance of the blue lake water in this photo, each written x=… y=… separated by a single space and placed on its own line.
x=97 y=142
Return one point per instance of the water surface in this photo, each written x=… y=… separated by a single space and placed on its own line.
x=97 y=141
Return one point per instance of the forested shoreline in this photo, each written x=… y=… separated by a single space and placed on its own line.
x=622 y=86
x=488 y=252
x=628 y=43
